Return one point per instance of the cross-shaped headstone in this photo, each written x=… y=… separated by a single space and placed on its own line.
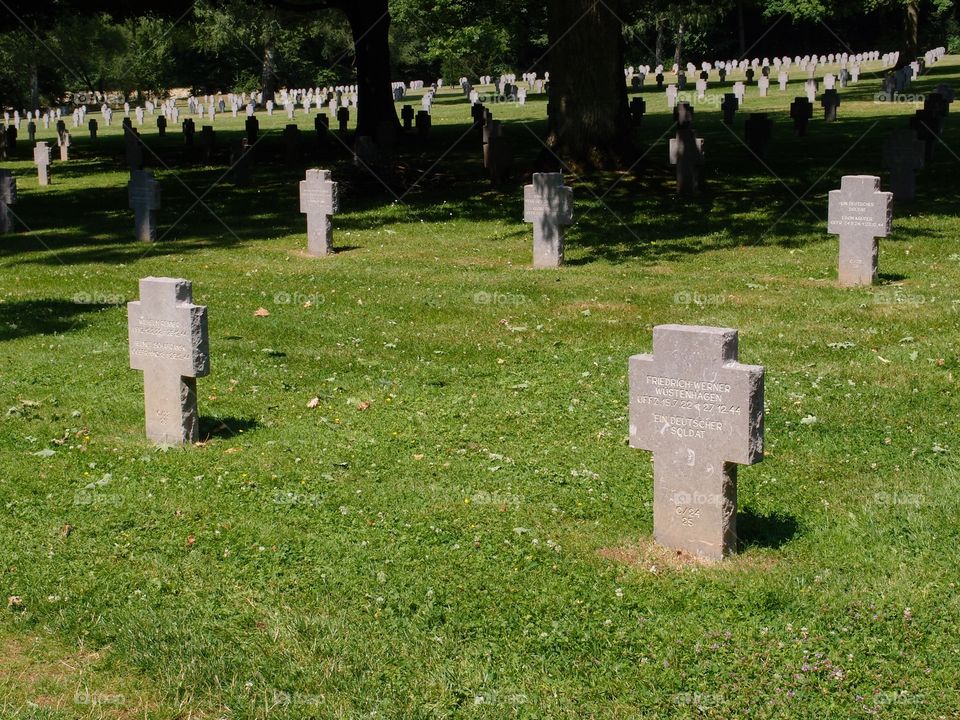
x=41 y=157
x=638 y=108
x=143 y=194
x=830 y=102
x=548 y=204
x=424 y=123
x=758 y=129
x=407 y=114
x=701 y=414
x=859 y=213
x=729 y=107
x=169 y=343
x=903 y=155
x=319 y=200
x=801 y=110
x=686 y=152
x=63 y=142
x=8 y=197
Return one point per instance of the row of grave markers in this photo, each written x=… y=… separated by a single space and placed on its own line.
x=692 y=404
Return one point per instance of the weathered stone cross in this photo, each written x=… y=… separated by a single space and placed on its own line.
x=169 y=343
x=319 y=200
x=41 y=156
x=859 y=214
x=8 y=196
x=548 y=204
x=143 y=193
x=701 y=413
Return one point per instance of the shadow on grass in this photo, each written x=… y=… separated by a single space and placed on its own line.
x=43 y=317
x=619 y=217
x=227 y=427
x=766 y=531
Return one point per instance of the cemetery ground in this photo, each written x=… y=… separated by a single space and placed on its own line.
x=414 y=496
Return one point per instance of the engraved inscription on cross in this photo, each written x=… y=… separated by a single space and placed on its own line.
x=548 y=204
x=143 y=193
x=701 y=413
x=319 y=199
x=169 y=343
x=8 y=196
x=859 y=214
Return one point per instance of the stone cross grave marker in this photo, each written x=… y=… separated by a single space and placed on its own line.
x=41 y=157
x=8 y=197
x=700 y=412
x=729 y=107
x=548 y=204
x=801 y=111
x=63 y=142
x=638 y=108
x=686 y=152
x=830 y=102
x=319 y=200
x=143 y=195
x=859 y=213
x=903 y=155
x=169 y=343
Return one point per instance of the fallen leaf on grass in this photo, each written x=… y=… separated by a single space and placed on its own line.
x=262 y=312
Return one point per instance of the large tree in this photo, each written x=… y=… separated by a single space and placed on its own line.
x=370 y=25
x=589 y=123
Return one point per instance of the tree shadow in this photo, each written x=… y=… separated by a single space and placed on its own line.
x=766 y=531
x=23 y=318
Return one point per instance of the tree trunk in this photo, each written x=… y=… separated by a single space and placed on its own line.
x=34 y=87
x=911 y=28
x=268 y=77
x=658 y=47
x=590 y=123
x=370 y=25
x=678 y=52
x=743 y=33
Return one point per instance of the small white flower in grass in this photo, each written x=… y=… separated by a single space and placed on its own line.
x=619 y=592
x=809 y=420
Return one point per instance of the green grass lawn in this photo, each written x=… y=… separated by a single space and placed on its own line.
x=458 y=529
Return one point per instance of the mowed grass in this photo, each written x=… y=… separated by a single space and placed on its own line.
x=458 y=529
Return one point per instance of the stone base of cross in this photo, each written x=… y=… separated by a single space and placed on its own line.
x=859 y=213
x=169 y=343
x=701 y=413
x=143 y=194
x=319 y=200
x=548 y=204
